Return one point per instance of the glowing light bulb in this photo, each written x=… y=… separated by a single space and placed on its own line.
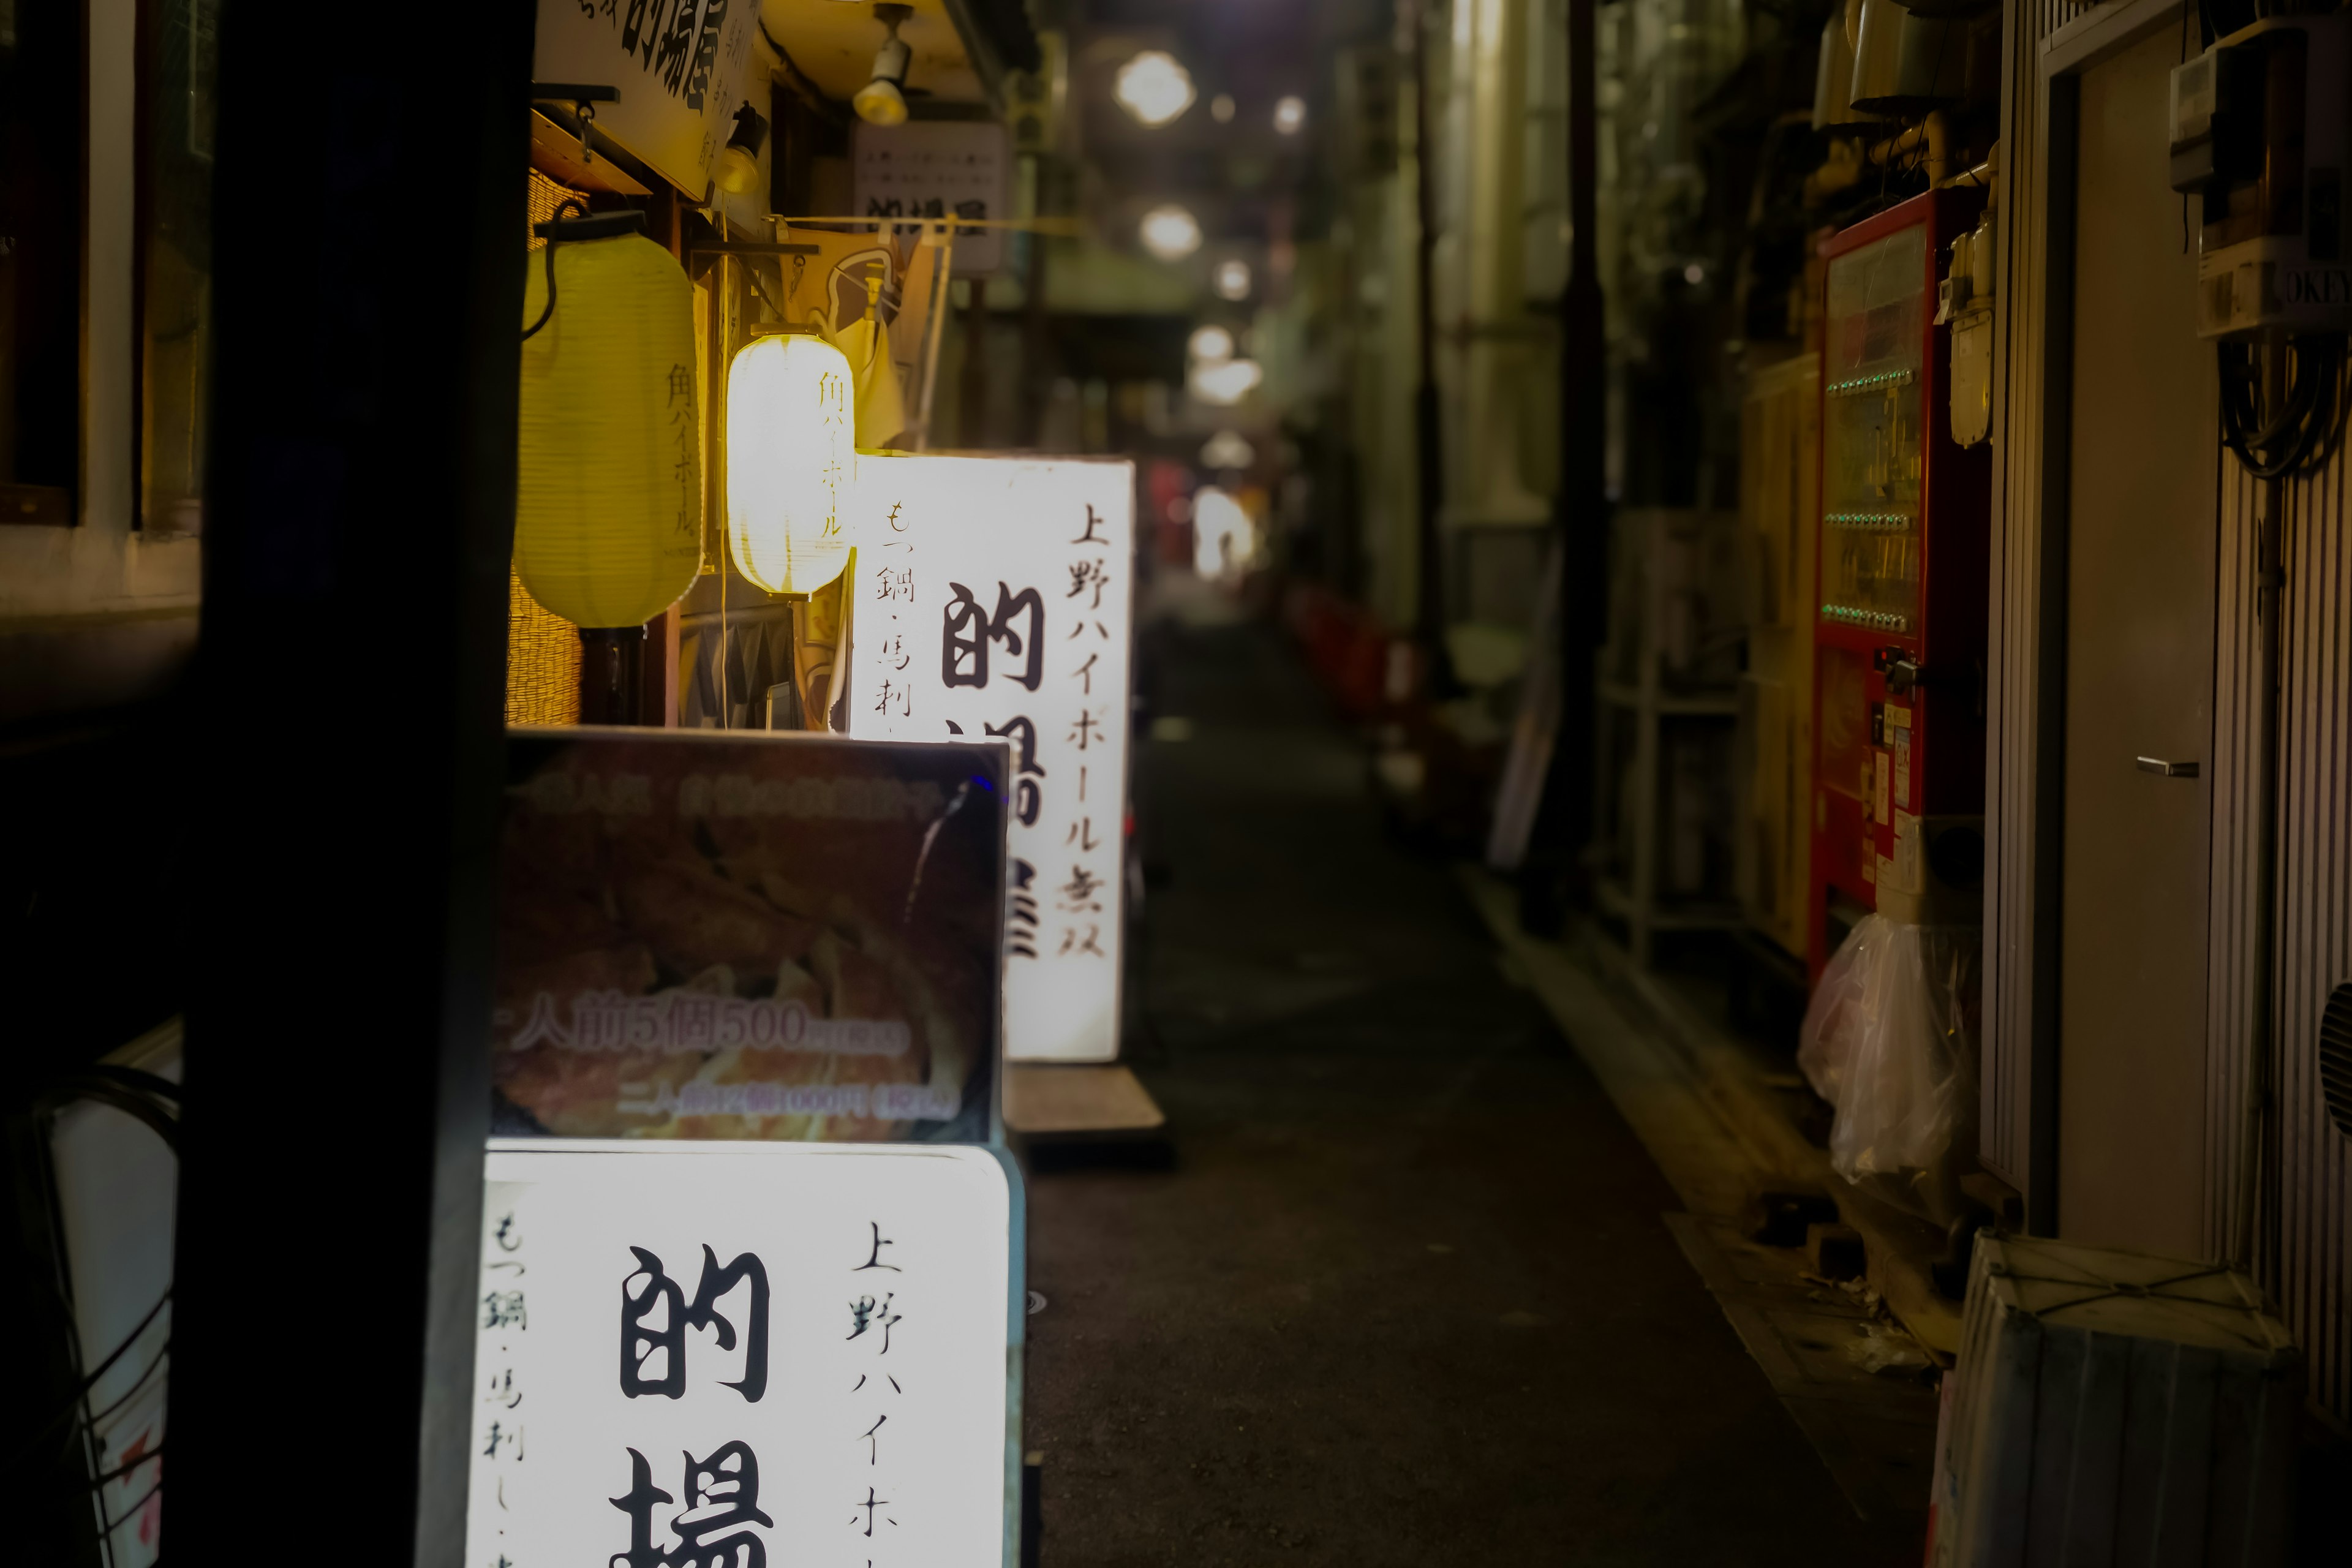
x=1154 y=86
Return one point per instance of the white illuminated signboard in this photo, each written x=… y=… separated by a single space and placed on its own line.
x=994 y=601
x=680 y=66
x=738 y=1352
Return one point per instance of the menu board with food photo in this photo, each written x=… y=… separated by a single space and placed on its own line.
x=754 y=936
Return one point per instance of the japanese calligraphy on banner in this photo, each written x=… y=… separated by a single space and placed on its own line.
x=745 y=1353
x=680 y=66
x=749 y=936
x=994 y=602
x=936 y=169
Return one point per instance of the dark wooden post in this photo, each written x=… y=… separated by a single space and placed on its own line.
x=368 y=300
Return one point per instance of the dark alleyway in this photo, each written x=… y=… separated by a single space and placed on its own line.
x=1404 y=1296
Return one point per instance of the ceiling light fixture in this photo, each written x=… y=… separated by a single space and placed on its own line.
x=883 y=99
x=1290 y=114
x=1170 y=233
x=1154 y=86
x=737 y=167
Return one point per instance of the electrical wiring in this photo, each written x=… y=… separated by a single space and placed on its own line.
x=575 y=208
x=163 y=1354
x=125 y=1469
x=72 y=1406
x=128 y=1514
x=2305 y=431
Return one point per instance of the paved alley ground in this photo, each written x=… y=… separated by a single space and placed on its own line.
x=1402 y=1293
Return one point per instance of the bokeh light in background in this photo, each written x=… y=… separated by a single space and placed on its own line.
x=1225 y=382
x=1227 y=449
x=1170 y=233
x=1154 y=86
x=1221 y=109
x=1233 y=281
x=1290 y=114
x=1211 y=344
x=1224 y=538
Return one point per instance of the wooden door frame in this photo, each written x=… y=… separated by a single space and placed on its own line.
x=2035 y=772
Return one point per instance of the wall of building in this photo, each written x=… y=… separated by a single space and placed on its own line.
x=2311 y=1269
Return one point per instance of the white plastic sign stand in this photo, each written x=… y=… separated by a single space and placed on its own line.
x=745 y=1352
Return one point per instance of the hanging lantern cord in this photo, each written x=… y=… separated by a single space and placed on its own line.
x=577 y=209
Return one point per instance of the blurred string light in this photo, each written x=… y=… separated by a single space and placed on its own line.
x=1154 y=86
x=1227 y=449
x=1232 y=279
x=1170 y=233
x=1224 y=539
x=1225 y=382
x=1211 y=344
x=1221 y=109
x=1290 y=114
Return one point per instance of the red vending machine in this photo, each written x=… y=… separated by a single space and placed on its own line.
x=1899 y=639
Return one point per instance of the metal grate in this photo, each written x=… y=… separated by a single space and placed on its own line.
x=2336 y=1057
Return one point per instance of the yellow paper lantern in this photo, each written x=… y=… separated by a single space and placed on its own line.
x=792 y=460
x=608 y=506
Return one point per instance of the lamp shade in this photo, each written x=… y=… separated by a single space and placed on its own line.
x=792 y=459
x=608 y=502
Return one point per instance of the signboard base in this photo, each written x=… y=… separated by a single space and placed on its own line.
x=1045 y=1100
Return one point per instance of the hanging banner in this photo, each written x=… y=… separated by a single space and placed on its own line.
x=746 y=1353
x=827 y=291
x=680 y=66
x=765 y=936
x=937 y=169
x=995 y=602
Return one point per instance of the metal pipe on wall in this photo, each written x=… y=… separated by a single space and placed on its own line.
x=2255 y=1240
x=1428 y=604
x=1553 y=874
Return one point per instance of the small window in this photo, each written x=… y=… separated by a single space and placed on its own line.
x=179 y=42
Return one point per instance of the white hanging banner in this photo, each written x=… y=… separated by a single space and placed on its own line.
x=937 y=169
x=679 y=65
x=745 y=1352
x=994 y=600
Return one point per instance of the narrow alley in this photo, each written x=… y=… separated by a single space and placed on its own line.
x=1177 y=784
x=1402 y=1293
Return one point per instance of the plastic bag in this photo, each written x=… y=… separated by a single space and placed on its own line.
x=1890 y=1039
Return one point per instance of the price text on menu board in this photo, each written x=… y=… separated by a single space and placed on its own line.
x=736 y=1355
x=994 y=601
